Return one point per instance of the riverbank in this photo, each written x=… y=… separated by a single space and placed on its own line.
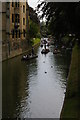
x=20 y=52
x=71 y=106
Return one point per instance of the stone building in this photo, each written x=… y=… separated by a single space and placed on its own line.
x=14 y=26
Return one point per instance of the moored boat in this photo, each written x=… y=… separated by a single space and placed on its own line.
x=26 y=57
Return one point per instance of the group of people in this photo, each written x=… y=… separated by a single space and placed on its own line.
x=31 y=54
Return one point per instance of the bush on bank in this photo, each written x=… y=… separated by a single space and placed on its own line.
x=34 y=41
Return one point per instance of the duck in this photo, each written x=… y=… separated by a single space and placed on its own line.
x=45 y=72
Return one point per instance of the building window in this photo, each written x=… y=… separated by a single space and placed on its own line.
x=23 y=21
x=17 y=18
x=12 y=4
x=19 y=34
x=12 y=33
x=16 y=4
x=23 y=8
x=16 y=33
x=24 y=32
x=12 y=18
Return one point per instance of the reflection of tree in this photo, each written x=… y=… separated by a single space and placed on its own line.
x=62 y=63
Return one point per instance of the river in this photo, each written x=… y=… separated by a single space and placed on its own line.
x=36 y=88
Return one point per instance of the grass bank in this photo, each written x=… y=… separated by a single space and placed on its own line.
x=35 y=41
x=71 y=106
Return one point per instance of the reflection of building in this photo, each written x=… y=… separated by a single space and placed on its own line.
x=13 y=26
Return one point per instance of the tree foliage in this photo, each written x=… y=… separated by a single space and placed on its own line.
x=34 y=24
x=33 y=15
x=33 y=29
x=62 y=18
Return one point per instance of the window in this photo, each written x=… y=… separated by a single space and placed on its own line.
x=12 y=33
x=16 y=33
x=17 y=18
x=12 y=18
x=16 y=4
x=12 y=4
x=24 y=32
x=23 y=21
x=23 y=9
x=19 y=34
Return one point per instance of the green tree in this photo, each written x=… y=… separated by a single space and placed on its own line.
x=62 y=18
x=33 y=29
x=34 y=32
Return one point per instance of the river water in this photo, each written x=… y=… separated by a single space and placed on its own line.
x=34 y=89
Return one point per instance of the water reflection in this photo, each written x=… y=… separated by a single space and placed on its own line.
x=34 y=89
x=14 y=85
x=61 y=63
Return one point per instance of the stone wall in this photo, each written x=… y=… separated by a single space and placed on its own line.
x=13 y=49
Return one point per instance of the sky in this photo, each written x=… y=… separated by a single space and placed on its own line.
x=33 y=3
